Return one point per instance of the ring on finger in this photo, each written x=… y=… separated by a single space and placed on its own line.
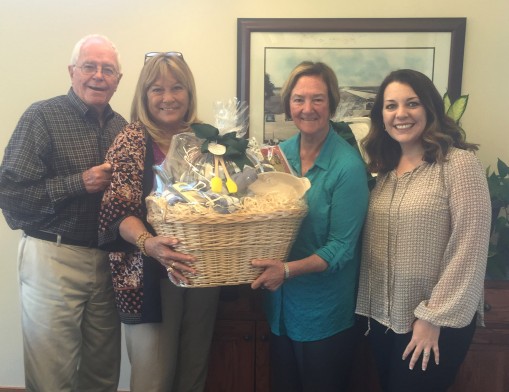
x=173 y=264
x=425 y=354
x=169 y=269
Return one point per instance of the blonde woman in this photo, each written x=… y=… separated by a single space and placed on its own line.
x=168 y=328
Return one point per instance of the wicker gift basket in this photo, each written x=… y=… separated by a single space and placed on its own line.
x=225 y=244
x=214 y=194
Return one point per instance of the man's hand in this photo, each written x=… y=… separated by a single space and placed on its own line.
x=97 y=178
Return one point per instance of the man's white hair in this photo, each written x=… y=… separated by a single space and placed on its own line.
x=77 y=48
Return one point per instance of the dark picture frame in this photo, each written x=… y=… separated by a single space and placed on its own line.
x=454 y=27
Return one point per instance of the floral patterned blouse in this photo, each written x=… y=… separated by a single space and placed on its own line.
x=135 y=277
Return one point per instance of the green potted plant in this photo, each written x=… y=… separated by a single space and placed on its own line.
x=498 y=185
x=498 y=256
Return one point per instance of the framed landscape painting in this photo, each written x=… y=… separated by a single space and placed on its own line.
x=360 y=51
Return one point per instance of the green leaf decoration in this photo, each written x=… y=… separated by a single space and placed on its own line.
x=205 y=131
x=235 y=147
x=457 y=108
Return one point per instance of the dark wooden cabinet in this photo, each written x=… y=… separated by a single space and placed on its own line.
x=486 y=367
x=239 y=359
x=232 y=358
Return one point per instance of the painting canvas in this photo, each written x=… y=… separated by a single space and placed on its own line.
x=362 y=51
x=359 y=72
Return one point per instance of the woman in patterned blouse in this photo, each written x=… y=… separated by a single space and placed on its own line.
x=425 y=240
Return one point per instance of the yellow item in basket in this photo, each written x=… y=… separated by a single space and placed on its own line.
x=216 y=184
x=230 y=184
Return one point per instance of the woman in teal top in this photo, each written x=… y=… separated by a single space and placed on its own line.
x=311 y=300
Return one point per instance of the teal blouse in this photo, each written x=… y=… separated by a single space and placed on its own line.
x=318 y=305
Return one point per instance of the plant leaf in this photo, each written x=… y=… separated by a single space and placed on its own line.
x=494 y=186
x=500 y=223
x=447 y=102
x=496 y=268
x=504 y=191
x=503 y=169
x=457 y=108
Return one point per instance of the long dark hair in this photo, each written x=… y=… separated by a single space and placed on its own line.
x=440 y=134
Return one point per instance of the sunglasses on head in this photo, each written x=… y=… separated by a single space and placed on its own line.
x=149 y=55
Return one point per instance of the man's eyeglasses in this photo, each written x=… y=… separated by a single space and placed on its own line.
x=149 y=55
x=91 y=69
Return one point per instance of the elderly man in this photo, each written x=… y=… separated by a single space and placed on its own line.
x=51 y=183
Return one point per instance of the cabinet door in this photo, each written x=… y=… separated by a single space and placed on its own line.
x=232 y=357
x=262 y=364
x=486 y=367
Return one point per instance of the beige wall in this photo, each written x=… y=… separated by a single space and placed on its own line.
x=36 y=38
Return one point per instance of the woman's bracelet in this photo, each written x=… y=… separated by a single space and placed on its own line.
x=140 y=241
x=287 y=271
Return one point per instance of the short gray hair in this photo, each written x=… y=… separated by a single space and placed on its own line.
x=77 y=48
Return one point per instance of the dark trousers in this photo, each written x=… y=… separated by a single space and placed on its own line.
x=395 y=376
x=322 y=365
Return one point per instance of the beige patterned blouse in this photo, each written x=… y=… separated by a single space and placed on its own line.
x=425 y=245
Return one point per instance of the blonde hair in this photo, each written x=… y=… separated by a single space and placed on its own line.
x=156 y=67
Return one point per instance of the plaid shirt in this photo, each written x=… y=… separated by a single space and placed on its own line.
x=41 y=185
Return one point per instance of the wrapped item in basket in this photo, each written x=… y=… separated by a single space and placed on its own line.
x=219 y=156
x=224 y=163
